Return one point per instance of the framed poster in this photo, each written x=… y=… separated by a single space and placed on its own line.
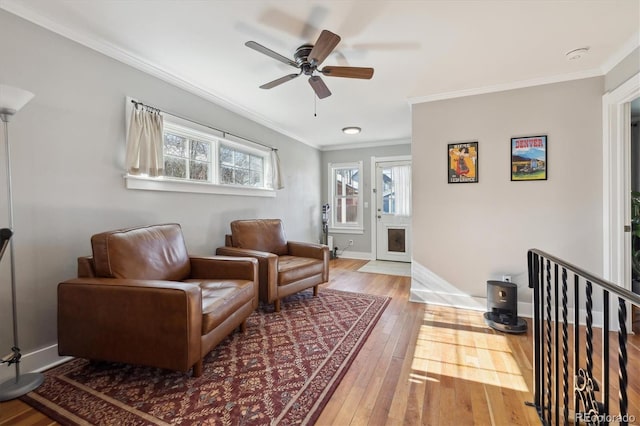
x=462 y=162
x=529 y=158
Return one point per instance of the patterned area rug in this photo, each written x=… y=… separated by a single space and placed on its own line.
x=282 y=370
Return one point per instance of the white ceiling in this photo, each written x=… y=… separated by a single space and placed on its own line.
x=421 y=51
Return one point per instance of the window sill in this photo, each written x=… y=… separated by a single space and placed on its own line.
x=160 y=184
x=346 y=230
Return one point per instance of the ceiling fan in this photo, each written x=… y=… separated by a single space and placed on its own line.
x=308 y=58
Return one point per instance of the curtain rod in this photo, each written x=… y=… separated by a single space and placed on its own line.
x=224 y=133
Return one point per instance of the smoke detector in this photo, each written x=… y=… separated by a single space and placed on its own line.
x=576 y=53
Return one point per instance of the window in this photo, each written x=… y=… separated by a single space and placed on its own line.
x=345 y=193
x=396 y=190
x=240 y=168
x=185 y=157
x=190 y=155
x=196 y=155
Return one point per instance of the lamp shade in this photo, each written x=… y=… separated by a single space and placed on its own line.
x=13 y=99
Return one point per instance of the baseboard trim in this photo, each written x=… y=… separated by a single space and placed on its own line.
x=462 y=301
x=428 y=287
x=360 y=255
x=36 y=361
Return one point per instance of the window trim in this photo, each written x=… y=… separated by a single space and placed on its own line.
x=176 y=185
x=358 y=227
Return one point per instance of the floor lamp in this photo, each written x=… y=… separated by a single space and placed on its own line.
x=12 y=100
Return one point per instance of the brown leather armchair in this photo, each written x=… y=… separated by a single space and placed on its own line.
x=141 y=299
x=285 y=267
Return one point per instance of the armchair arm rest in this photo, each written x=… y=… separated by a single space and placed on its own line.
x=267 y=269
x=315 y=251
x=235 y=251
x=224 y=267
x=86 y=267
x=149 y=322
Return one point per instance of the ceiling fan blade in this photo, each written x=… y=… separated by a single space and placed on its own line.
x=279 y=81
x=264 y=50
x=321 y=89
x=323 y=47
x=348 y=72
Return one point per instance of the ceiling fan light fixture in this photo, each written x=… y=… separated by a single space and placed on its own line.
x=351 y=130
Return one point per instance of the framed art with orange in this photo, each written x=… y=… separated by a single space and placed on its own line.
x=462 y=161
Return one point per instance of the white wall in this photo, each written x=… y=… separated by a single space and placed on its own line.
x=466 y=234
x=68 y=156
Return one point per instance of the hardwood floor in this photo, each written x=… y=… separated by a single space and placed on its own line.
x=429 y=365
x=422 y=364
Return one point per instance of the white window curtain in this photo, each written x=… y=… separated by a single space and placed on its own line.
x=402 y=187
x=144 y=143
x=276 y=173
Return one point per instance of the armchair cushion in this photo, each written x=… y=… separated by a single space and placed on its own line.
x=155 y=252
x=220 y=299
x=259 y=234
x=292 y=268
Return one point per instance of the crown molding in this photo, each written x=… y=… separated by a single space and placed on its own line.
x=632 y=44
x=361 y=145
x=506 y=86
x=128 y=58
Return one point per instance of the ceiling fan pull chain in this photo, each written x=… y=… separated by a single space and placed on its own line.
x=315 y=105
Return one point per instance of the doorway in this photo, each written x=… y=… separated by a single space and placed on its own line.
x=617 y=183
x=392 y=209
x=635 y=198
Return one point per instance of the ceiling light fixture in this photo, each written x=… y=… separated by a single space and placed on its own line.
x=351 y=130
x=577 y=53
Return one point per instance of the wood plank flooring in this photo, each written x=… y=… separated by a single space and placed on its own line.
x=429 y=365
x=422 y=364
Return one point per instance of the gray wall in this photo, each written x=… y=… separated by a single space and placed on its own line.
x=361 y=242
x=469 y=233
x=68 y=156
x=624 y=70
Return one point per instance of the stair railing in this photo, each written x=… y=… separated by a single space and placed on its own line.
x=584 y=399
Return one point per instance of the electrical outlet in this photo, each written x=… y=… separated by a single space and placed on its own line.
x=350 y=243
x=506 y=278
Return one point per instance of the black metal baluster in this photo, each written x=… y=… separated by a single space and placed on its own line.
x=605 y=353
x=589 y=331
x=576 y=343
x=556 y=348
x=541 y=339
x=565 y=351
x=622 y=360
x=548 y=341
x=534 y=283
